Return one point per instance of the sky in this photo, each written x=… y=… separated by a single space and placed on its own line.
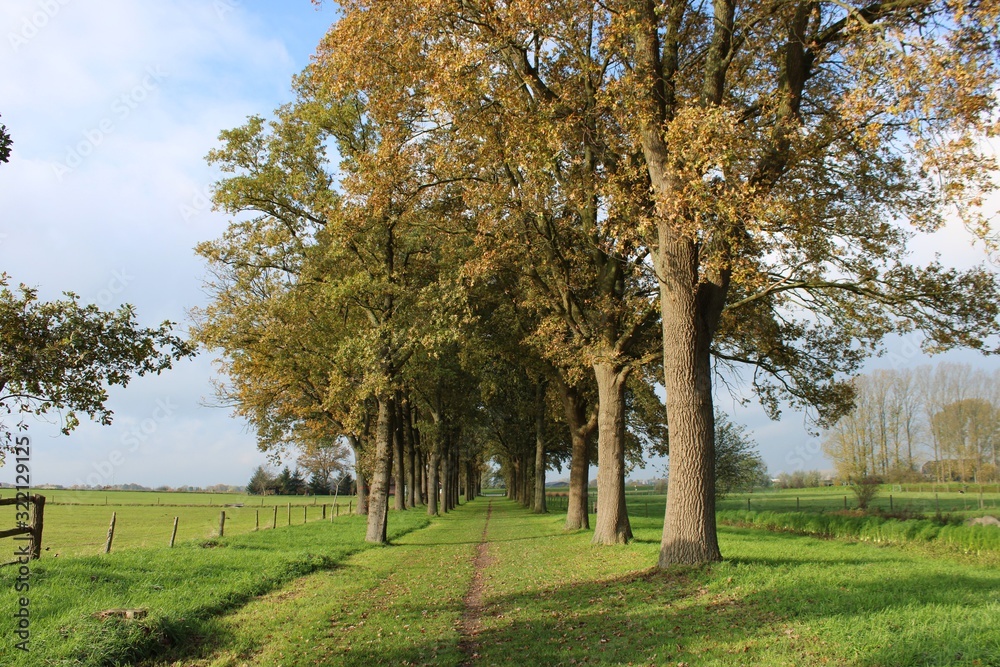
x=112 y=107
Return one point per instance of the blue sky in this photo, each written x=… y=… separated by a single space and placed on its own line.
x=113 y=106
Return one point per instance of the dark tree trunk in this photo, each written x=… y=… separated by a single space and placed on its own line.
x=580 y=428
x=411 y=458
x=399 y=457
x=378 y=505
x=612 y=514
x=432 y=476
x=359 y=474
x=540 y=506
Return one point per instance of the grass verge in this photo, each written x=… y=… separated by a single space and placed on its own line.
x=185 y=590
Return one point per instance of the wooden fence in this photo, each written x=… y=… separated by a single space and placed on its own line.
x=33 y=528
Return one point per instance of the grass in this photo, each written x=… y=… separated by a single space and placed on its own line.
x=187 y=590
x=75 y=527
x=314 y=595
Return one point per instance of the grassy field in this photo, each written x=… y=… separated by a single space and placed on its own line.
x=315 y=595
x=76 y=522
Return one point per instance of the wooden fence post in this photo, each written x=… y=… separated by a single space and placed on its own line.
x=748 y=504
x=37 y=522
x=111 y=533
x=274 y=521
x=256 y=523
x=289 y=514
x=305 y=514
x=350 y=506
x=222 y=523
x=324 y=511
x=173 y=535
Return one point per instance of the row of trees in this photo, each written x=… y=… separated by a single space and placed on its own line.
x=491 y=230
x=941 y=422
x=292 y=483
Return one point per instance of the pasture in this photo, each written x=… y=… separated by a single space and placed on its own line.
x=492 y=584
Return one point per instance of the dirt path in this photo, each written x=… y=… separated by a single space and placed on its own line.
x=470 y=624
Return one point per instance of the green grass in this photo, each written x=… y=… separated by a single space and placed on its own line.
x=187 y=590
x=314 y=595
x=78 y=525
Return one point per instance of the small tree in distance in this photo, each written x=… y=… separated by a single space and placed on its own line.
x=866 y=490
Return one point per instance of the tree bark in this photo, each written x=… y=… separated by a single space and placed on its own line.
x=399 y=460
x=580 y=428
x=411 y=459
x=613 y=526
x=432 y=476
x=689 y=531
x=446 y=475
x=362 y=486
x=378 y=505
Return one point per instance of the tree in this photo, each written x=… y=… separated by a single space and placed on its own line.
x=62 y=355
x=317 y=486
x=5 y=143
x=738 y=466
x=260 y=482
x=323 y=460
x=780 y=144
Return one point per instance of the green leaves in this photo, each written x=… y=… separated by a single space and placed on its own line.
x=61 y=355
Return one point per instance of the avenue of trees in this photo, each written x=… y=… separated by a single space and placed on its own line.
x=941 y=423
x=490 y=230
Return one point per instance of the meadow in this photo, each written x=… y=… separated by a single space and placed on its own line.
x=318 y=594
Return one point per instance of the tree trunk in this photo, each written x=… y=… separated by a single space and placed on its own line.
x=574 y=405
x=411 y=459
x=540 y=506
x=612 y=514
x=419 y=481
x=362 y=486
x=446 y=475
x=399 y=457
x=378 y=505
x=432 y=477
x=689 y=531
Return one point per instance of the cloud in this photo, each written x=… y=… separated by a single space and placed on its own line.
x=112 y=109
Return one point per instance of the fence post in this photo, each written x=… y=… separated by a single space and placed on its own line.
x=305 y=513
x=350 y=506
x=222 y=523
x=173 y=534
x=890 y=502
x=111 y=533
x=274 y=521
x=37 y=521
x=845 y=502
x=324 y=511
x=748 y=504
x=289 y=514
x=256 y=523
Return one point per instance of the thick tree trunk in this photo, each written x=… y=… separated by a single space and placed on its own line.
x=539 y=506
x=528 y=483
x=455 y=473
x=689 y=531
x=432 y=477
x=577 y=515
x=411 y=459
x=420 y=481
x=399 y=457
x=612 y=514
x=378 y=505
x=446 y=475
x=362 y=486
x=470 y=488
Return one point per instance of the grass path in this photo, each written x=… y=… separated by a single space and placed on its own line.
x=521 y=591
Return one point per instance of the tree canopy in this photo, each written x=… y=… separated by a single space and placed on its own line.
x=62 y=355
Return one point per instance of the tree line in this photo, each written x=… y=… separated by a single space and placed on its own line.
x=940 y=423
x=492 y=230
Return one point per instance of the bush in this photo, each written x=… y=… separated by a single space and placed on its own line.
x=865 y=490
